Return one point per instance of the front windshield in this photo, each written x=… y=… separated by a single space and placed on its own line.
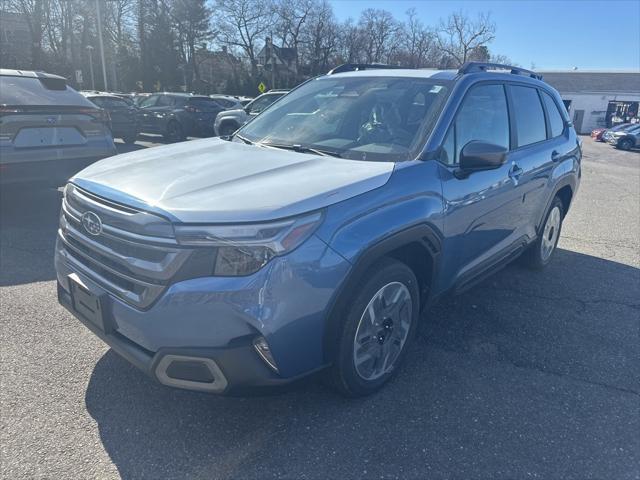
x=359 y=118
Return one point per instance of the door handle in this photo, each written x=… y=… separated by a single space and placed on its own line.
x=515 y=172
x=555 y=156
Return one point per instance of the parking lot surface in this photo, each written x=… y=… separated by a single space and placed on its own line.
x=528 y=375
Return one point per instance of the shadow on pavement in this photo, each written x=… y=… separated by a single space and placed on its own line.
x=129 y=147
x=28 y=226
x=528 y=374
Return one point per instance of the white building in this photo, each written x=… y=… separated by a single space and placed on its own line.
x=597 y=98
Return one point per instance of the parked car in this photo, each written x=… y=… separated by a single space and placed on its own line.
x=178 y=115
x=228 y=122
x=123 y=114
x=48 y=131
x=599 y=133
x=230 y=102
x=313 y=239
x=627 y=138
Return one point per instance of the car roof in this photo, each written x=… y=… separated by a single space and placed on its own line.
x=5 y=72
x=399 y=72
x=99 y=94
x=474 y=71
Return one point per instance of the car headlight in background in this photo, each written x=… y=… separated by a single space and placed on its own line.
x=243 y=249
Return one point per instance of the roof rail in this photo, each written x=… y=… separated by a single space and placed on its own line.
x=354 y=67
x=472 y=67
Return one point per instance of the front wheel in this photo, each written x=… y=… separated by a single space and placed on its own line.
x=625 y=144
x=377 y=329
x=174 y=132
x=130 y=139
x=540 y=252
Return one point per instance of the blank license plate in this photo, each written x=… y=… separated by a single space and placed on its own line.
x=86 y=303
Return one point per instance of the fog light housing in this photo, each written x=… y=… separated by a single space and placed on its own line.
x=262 y=347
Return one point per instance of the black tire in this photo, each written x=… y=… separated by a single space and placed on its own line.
x=343 y=374
x=174 y=133
x=625 y=144
x=536 y=256
x=227 y=129
x=130 y=139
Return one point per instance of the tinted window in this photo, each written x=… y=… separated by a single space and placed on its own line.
x=225 y=103
x=261 y=103
x=148 y=101
x=483 y=116
x=32 y=91
x=109 y=102
x=165 y=101
x=204 y=104
x=529 y=116
x=555 y=119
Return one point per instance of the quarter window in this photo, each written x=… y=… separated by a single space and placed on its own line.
x=555 y=118
x=529 y=116
x=483 y=116
x=165 y=101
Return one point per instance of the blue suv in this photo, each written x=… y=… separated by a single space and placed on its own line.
x=313 y=238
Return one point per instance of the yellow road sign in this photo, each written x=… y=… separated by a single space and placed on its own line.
x=262 y=87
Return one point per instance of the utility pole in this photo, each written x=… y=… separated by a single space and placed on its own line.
x=93 y=81
x=104 y=68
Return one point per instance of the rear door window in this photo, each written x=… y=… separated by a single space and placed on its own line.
x=204 y=104
x=528 y=114
x=556 y=123
x=148 y=102
x=109 y=102
x=165 y=101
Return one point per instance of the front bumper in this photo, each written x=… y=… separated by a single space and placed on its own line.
x=208 y=324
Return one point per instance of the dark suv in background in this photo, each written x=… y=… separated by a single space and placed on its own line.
x=123 y=114
x=178 y=115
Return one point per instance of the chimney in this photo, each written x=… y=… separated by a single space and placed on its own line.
x=224 y=49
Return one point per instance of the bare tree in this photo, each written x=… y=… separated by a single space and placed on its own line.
x=243 y=24
x=378 y=28
x=192 y=19
x=33 y=12
x=459 y=36
x=320 y=38
x=417 y=42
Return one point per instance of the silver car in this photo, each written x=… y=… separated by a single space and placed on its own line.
x=229 y=121
x=48 y=131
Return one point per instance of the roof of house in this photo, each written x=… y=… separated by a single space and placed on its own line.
x=593 y=81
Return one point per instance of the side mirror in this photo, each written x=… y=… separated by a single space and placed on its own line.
x=477 y=155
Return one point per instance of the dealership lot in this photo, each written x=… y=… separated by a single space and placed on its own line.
x=527 y=375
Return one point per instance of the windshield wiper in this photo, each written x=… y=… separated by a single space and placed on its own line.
x=302 y=149
x=245 y=140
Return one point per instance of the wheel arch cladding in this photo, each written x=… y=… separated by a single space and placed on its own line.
x=418 y=247
x=565 y=194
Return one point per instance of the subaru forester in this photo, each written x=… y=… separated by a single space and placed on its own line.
x=313 y=238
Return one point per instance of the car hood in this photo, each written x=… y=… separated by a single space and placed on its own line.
x=237 y=112
x=212 y=180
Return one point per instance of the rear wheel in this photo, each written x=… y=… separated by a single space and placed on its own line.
x=174 y=132
x=131 y=138
x=377 y=329
x=540 y=252
x=625 y=144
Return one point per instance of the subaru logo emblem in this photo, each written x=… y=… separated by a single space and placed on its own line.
x=51 y=120
x=92 y=223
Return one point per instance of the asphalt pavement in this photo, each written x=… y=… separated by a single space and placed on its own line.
x=528 y=375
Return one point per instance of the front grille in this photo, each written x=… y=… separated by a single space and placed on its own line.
x=135 y=257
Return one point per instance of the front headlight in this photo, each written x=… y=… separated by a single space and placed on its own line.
x=243 y=249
